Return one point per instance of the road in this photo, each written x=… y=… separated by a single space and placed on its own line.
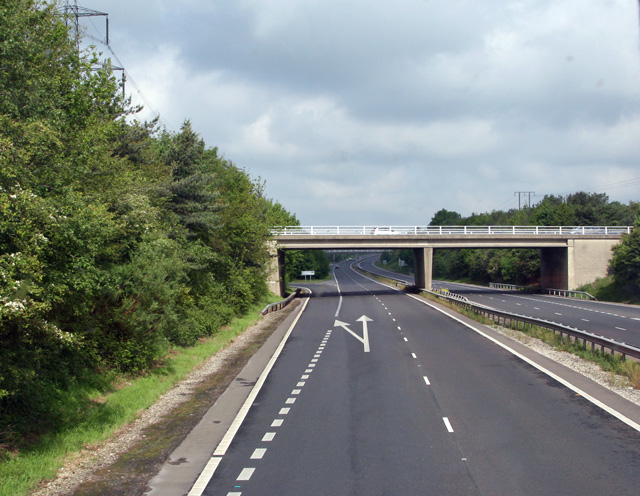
x=618 y=322
x=376 y=393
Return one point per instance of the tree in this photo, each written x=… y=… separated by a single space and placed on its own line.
x=625 y=264
x=444 y=217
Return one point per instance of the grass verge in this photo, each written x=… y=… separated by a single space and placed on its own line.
x=606 y=289
x=21 y=472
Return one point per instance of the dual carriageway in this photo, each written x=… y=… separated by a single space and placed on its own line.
x=371 y=391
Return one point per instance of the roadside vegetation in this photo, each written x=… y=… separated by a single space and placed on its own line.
x=297 y=261
x=120 y=242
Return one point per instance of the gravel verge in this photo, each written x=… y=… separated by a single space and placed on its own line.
x=105 y=469
x=616 y=383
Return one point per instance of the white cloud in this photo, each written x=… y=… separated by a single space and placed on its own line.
x=386 y=112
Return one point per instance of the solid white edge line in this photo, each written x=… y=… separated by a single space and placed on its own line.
x=585 y=395
x=339 y=292
x=205 y=477
x=212 y=465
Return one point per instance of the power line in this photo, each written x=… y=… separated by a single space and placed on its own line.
x=528 y=193
x=73 y=12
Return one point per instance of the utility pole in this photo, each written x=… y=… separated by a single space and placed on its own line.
x=73 y=12
x=520 y=193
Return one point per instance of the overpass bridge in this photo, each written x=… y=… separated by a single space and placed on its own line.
x=571 y=255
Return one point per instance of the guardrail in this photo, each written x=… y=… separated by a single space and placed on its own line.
x=511 y=287
x=450 y=230
x=570 y=294
x=448 y=294
x=279 y=305
x=583 y=295
x=507 y=319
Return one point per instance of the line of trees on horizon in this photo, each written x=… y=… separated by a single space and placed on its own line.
x=522 y=266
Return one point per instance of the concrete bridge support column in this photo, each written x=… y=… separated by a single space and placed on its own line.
x=423 y=258
x=276 y=271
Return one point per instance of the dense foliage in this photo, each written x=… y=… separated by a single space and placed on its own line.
x=297 y=261
x=117 y=240
x=625 y=265
x=523 y=266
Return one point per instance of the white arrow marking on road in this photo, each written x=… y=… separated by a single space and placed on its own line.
x=365 y=331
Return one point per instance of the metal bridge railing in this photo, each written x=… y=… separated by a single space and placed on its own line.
x=449 y=230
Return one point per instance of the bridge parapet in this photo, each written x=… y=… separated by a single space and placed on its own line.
x=450 y=230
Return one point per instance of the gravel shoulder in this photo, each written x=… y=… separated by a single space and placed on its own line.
x=124 y=464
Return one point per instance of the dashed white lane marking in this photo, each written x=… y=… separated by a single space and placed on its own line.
x=308 y=371
x=284 y=411
x=290 y=401
x=399 y=328
x=268 y=436
x=311 y=365
x=426 y=380
x=635 y=318
x=621 y=328
x=203 y=479
x=304 y=377
x=536 y=308
x=258 y=453
x=300 y=384
x=277 y=423
x=447 y=424
x=584 y=394
x=296 y=391
x=414 y=355
x=557 y=313
x=405 y=339
x=585 y=320
x=246 y=474
x=234 y=494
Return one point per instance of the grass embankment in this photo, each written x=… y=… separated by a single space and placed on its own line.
x=393 y=266
x=106 y=412
x=606 y=289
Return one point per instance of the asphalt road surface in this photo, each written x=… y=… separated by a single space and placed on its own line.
x=376 y=393
x=618 y=322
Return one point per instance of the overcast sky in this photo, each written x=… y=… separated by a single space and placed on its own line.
x=381 y=113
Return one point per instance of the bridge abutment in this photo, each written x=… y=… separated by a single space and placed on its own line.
x=581 y=262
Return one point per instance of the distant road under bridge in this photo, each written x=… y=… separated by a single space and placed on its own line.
x=571 y=255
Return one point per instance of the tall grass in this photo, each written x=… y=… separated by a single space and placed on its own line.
x=21 y=472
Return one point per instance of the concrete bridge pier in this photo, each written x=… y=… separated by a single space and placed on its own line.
x=423 y=258
x=276 y=277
